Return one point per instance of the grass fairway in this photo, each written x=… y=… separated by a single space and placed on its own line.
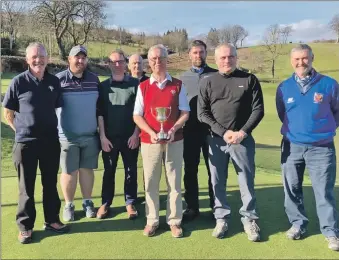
x=119 y=238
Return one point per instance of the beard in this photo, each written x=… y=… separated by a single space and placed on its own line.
x=199 y=63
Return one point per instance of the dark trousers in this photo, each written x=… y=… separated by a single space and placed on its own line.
x=26 y=157
x=321 y=164
x=194 y=142
x=130 y=160
x=242 y=156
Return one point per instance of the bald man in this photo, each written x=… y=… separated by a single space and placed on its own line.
x=135 y=65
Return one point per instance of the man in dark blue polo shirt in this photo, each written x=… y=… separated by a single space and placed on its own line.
x=29 y=108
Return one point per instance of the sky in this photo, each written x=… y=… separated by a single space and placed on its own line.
x=309 y=19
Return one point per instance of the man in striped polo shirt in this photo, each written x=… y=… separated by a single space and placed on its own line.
x=78 y=135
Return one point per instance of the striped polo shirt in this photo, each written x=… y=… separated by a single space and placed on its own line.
x=77 y=117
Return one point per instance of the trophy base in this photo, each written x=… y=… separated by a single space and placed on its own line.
x=162 y=136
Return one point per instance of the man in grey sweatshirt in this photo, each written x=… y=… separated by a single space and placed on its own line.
x=195 y=132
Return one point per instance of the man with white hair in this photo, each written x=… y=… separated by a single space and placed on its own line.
x=135 y=66
x=167 y=94
x=231 y=103
x=308 y=107
x=29 y=108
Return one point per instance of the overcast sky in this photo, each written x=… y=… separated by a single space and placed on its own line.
x=308 y=19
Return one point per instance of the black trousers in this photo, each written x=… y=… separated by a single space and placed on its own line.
x=130 y=160
x=194 y=142
x=26 y=157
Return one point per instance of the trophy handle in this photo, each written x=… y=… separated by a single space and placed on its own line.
x=152 y=113
x=170 y=110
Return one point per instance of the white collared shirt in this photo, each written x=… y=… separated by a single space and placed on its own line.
x=139 y=100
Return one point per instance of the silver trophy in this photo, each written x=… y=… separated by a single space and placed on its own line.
x=161 y=115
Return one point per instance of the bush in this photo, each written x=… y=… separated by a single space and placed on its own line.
x=5 y=50
x=25 y=40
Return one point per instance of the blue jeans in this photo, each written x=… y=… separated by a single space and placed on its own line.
x=242 y=156
x=321 y=164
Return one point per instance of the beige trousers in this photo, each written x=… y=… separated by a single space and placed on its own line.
x=152 y=156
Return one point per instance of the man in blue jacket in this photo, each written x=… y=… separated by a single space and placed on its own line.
x=308 y=106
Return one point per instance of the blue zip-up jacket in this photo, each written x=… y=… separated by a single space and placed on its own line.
x=309 y=118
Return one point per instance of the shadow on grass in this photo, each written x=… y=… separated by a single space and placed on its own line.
x=6 y=131
x=270 y=203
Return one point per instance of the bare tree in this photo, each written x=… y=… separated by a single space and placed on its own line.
x=273 y=43
x=237 y=32
x=153 y=40
x=225 y=34
x=212 y=38
x=334 y=25
x=11 y=17
x=89 y=16
x=60 y=15
x=286 y=32
x=243 y=37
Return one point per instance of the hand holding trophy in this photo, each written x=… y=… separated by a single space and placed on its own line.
x=161 y=115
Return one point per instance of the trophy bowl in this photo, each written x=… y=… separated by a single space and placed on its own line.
x=161 y=115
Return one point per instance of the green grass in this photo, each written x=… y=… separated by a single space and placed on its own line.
x=103 y=50
x=118 y=237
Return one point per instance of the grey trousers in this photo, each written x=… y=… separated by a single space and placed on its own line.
x=242 y=156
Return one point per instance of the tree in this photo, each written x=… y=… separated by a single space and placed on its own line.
x=273 y=43
x=243 y=37
x=58 y=15
x=89 y=16
x=212 y=38
x=286 y=32
x=237 y=32
x=334 y=26
x=11 y=17
x=225 y=34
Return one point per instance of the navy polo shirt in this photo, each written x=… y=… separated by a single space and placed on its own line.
x=34 y=103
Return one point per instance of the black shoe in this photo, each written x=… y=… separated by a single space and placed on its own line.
x=190 y=214
x=61 y=229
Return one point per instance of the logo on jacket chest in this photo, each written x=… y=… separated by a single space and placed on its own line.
x=318 y=98
x=173 y=91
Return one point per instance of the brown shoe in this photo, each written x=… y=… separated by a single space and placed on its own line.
x=102 y=212
x=25 y=237
x=149 y=231
x=176 y=231
x=131 y=211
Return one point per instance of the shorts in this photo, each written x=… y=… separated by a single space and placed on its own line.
x=79 y=153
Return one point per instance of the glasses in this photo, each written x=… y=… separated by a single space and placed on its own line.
x=114 y=62
x=154 y=59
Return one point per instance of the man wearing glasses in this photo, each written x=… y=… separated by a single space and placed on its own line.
x=118 y=134
x=161 y=92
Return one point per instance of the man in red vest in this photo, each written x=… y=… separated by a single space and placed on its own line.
x=161 y=93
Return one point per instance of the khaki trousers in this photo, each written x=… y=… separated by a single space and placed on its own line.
x=152 y=156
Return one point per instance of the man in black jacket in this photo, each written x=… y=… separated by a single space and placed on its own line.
x=231 y=103
x=195 y=132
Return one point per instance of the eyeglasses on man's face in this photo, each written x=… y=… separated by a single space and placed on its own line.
x=114 y=62
x=155 y=59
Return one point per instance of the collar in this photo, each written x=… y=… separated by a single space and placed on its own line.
x=310 y=74
x=71 y=75
x=29 y=73
x=198 y=70
x=125 y=79
x=227 y=75
x=152 y=79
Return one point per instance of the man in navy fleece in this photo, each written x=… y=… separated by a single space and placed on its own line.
x=308 y=106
